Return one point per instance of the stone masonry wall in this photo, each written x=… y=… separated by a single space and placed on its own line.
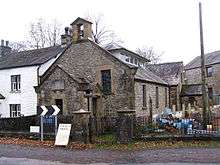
x=72 y=98
x=193 y=76
x=150 y=92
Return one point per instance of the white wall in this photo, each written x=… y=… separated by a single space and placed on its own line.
x=27 y=97
x=124 y=57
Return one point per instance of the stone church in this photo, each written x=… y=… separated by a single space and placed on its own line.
x=87 y=76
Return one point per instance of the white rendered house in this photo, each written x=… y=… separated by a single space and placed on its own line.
x=19 y=73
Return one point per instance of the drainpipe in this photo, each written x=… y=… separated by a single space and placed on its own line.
x=38 y=76
x=169 y=98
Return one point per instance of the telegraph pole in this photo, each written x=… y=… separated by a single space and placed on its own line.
x=203 y=74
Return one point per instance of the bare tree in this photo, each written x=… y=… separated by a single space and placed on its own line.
x=18 y=46
x=101 y=34
x=44 y=34
x=150 y=53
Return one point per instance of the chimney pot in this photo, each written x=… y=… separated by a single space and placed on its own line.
x=66 y=30
x=6 y=43
x=2 y=42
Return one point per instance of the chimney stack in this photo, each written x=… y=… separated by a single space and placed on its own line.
x=66 y=38
x=2 y=42
x=4 y=48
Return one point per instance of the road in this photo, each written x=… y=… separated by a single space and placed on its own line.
x=20 y=155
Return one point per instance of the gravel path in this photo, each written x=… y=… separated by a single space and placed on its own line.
x=92 y=156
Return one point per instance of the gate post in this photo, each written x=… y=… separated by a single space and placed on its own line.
x=81 y=125
x=125 y=125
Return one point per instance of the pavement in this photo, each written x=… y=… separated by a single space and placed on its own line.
x=25 y=155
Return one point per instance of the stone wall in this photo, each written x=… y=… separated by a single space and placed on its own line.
x=175 y=97
x=193 y=76
x=150 y=92
x=73 y=99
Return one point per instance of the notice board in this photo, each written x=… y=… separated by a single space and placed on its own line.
x=63 y=133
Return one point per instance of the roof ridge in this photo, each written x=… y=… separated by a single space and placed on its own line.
x=130 y=52
x=167 y=63
x=30 y=50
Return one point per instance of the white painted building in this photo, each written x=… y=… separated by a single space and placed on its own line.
x=19 y=73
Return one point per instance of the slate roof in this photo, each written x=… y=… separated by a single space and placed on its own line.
x=210 y=58
x=146 y=75
x=1 y=96
x=191 y=90
x=30 y=57
x=169 y=72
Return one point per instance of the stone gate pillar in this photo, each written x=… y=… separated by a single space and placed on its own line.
x=81 y=125
x=125 y=125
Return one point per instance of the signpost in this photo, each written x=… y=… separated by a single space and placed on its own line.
x=62 y=137
x=48 y=116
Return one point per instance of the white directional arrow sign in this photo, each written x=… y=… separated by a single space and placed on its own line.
x=45 y=110
x=57 y=110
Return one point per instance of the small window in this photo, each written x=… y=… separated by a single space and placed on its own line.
x=131 y=60
x=210 y=93
x=135 y=61
x=15 y=82
x=157 y=97
x=144 y=96
x=127 y=59
x=57 y=85
x=15 y=110
x=106 y=81
x=209 y=71
x=166 y=97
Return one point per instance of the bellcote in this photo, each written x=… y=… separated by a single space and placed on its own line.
x=81 y=29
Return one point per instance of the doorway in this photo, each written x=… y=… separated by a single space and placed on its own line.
x=59 y=104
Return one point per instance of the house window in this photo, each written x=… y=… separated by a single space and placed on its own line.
x=106 y=81
x=15 y=82
x=144 y=96
x=157 y=97
x=127 y=59
x=209 y=71
x=165 y=96
x=15 y=110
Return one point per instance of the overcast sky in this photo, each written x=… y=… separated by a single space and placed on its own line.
x=170 y=26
